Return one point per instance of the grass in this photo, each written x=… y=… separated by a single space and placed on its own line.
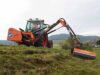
x=97 y=50
x=22 y=60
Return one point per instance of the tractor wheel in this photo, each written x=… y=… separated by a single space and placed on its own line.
x=50 y=44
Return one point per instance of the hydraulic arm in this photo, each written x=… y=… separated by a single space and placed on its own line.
x=71 y=32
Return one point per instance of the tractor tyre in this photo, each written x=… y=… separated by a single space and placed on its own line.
x=50 y=44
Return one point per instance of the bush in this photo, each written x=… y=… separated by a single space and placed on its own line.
x=65 y=44
x=69 y=43
x=88 y=46
x=98 y=42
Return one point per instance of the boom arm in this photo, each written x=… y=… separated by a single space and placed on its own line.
x=65 y=24
x=61 y=20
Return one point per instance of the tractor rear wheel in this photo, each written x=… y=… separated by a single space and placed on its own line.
x=50 y=44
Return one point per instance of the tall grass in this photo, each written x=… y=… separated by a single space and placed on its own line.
x=22 y=60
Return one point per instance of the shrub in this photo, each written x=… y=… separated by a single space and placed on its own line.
x=65 y=44
x=98 y=42
x=88 y=46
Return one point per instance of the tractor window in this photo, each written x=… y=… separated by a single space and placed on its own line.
x=43 y=25
x=28 y=27
x=35 y=26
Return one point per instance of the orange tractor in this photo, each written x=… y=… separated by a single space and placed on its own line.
x=36 y=34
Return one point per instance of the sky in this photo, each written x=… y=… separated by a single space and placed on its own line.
x=82 y=15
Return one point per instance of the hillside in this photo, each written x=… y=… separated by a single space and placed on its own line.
x=57 y=38
x=22 y=60
x=6 y=42
x=65 y=36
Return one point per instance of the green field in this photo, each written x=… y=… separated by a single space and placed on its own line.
x=22 y=60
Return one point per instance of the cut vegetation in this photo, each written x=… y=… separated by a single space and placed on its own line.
x=22 y=60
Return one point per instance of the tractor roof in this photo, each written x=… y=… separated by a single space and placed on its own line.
x=35 y=20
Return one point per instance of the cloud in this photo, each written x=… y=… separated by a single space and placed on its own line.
x=82 y=15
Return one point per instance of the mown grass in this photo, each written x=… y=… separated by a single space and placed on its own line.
x=22 y=60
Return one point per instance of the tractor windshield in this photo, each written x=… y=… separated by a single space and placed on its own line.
x=34 y=25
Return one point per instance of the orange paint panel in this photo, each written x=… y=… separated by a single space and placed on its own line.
x=32 y=37
x=14 y=35
x=84 y=51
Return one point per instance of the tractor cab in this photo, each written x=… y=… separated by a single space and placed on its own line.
x=34 y=25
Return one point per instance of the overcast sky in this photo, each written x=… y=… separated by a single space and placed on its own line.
x=82 y=15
